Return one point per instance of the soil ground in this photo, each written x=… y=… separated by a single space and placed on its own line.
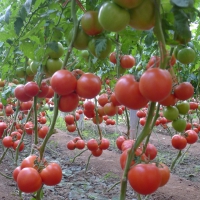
x=105 y=171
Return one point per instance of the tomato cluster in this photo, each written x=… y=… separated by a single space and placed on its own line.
x=33 y=173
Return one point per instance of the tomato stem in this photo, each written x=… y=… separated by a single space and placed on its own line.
x=175 y=160
x=78 y=155
x=128 y=123
x=78 y=130
x=88 y=161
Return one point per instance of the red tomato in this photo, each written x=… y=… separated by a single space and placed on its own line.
x=169 y=101
x=31 y=89
x=155 y=84
x=112 y=58
x=165 y=174
x=141 y=114
x=144 y=178
x=71 y=128
x=63 y=82
x=138 y=153
x=97 y=119
x=127 y=144
x=142 y=121
x=127 y=61
x=184 y=91
x=69 y=119
x=15 y=144
x=68 y=103
x=104 y=144
x=135 y=100
x=7 y=141
x=179 y=142
x=188 y=126
x=50 y=93
x=89 y=113
x=20 y=94
x=51 y=174
x=29 y=161
x=151 y=151
x=80 y=144
x=114 y=100
x=97 y=152
x=154 y=61
x=71 y=145
x=103 y=99
x=42 y=132
x=89 y=105
x=29 y=126
x=16 y=172
x=16 y=135
x=92 y=145
x=193 y=105
x=29 y=180
x=119 y=141
x=191 y=136
x=44 y=89
x=42 y=120
x=88 y=86
x=100 y=111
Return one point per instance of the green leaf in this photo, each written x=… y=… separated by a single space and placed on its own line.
x=100 y=45
x=53 y=46
x=27 y=47
x=18 y=24
x=183 y=3
x=7 y=14
x=23 y=13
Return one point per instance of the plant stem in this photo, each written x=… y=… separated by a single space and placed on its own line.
x=144 y=133
x=115 y=184
x=88 y=161
x=175 y=160
x=8 y=177
x=78 y=155
x=128 y=123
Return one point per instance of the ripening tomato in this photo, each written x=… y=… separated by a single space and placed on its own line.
x=110 y=109
x=154 y=61
x=184 y=91
x=113 y=99
x=20 y=93
x=90 y=23
x=143 y=16
x=165 y=174
x=144 y=178
x=191 y=136
x=127 y=61
x=51 y=174
x=155 y=84
x=193 y=105
x=134 y=101
x=68 y=103
x=31 y=89
x=92 y=145
x=97 y=119
x=50 y=93
x=179 y=142
x=88 y=86
x=29 y=126
x=169 y=101
x=29 y=180
x=127 y=3
x=63 y=82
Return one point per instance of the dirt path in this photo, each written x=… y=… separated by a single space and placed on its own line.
x=102 y=173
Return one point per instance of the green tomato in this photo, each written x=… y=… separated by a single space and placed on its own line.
x=34 y=67
x=199 y=107
x=186 y=55
x=29 y=71
x=56 y=54
x=171 y=113
x=100 y=47
x=53 y=65
x=128 y=4
x=20 y=72
x=113 y=17
x=177 y=49
x=143 y=16
x=179 y=125
x=183 y=107
x=81 y=41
